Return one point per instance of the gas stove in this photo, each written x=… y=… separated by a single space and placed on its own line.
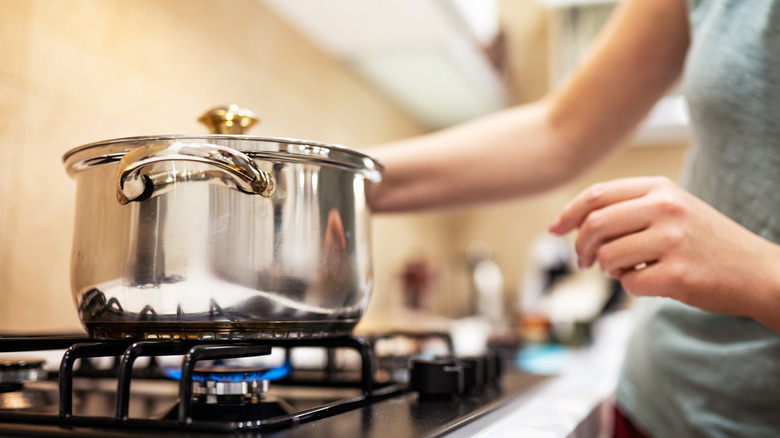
x=184 y=387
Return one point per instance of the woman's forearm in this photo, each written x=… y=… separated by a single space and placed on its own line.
x=496 y=157
x=535 y=147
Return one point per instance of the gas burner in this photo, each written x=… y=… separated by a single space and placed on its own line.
x=238 y=394
x=223 y=384
x=14 y=373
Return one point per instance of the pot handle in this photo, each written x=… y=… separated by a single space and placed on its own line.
x=135 y=185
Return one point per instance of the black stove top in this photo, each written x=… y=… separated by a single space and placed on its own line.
x=204 y=395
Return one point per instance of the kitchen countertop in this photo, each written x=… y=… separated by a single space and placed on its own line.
x=575 y=402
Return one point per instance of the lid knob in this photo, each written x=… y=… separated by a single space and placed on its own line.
x=229 y=119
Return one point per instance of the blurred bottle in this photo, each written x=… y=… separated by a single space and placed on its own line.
x=549 y=262
x=419 y=278
x=487 y=299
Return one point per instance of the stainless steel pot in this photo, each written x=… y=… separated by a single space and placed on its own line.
x=220 y=236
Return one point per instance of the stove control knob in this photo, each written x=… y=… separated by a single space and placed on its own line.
x=435 y=379
x=492 y=369
x=473 y=371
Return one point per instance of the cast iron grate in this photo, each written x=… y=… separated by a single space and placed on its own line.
x=192 y=351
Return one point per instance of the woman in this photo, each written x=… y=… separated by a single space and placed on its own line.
x=705 y=356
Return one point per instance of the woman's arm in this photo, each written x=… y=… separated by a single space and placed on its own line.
x=531 y=148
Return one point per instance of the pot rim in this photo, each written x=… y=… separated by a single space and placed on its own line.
x=285 y=150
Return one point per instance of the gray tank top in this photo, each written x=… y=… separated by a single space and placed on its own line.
x=689 y=373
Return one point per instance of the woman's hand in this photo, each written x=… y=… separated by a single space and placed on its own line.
x=659 y=240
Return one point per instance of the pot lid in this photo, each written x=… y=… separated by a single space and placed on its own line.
x=228 y=124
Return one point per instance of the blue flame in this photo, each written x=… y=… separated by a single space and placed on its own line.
x=234 y=376
x=172 y=373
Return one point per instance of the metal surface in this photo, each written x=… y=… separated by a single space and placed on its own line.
x=194 y=257
x=213 y=392
x=133 y=185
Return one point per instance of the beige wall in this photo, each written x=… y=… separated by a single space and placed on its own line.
x=75 y=71
x=78 y=71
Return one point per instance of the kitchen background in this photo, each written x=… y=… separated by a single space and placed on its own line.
x=78 y=71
